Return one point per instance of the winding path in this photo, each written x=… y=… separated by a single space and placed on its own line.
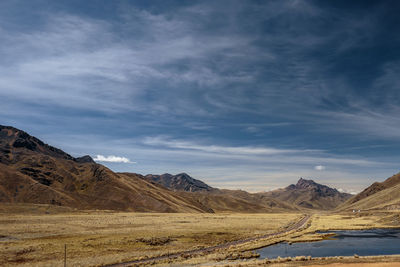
x=295 y=226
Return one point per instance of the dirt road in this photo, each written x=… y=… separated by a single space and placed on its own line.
x=295 y=226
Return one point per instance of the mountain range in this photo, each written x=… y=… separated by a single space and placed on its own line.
x=34 y=172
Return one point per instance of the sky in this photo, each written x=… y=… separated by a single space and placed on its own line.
x=245 y=95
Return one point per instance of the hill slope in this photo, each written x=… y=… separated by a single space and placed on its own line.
x=222 y=200
x=384 y=195
x=309 y=194
x=34 y=172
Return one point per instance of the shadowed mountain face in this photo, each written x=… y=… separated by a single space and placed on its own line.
x=309 y=194
x=179 y=182
x=384 y=195
x=14 y=142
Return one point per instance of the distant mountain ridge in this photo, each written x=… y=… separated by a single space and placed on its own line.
x=309 y=194
x=179 y=182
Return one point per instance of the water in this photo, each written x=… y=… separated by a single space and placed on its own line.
x=345 y=243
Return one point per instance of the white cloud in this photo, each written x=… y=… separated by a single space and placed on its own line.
x=319 y=168
x=112 y=158
x=353 y=192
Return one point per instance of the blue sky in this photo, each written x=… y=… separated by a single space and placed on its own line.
x=240 y=94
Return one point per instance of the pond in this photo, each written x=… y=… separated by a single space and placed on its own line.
x=344 y=243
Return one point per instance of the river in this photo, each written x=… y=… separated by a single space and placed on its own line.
x=344 y=243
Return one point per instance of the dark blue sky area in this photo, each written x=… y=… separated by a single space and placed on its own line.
x=240 y=94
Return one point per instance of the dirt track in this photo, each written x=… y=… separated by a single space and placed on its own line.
x=296 y=226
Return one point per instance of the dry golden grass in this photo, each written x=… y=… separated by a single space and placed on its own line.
x=34 y=235
x=349 y=221
x=94 y=238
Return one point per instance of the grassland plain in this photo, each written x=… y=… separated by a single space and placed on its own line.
x=34 y=235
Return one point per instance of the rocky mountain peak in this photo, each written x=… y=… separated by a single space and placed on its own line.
x=179 y=182
x=304 y=184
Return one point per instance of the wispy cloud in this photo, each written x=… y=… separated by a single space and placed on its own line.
x=246 y=150
x=366 y=123
x=284 y=157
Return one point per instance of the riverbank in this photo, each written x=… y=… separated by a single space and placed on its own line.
x=318 y=222
x=351 y=261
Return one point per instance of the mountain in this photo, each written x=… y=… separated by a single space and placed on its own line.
x=219 y=200
x=34 y=172
x=309 y=194
x=179 y=182
x=379 y=195
x=37 y=173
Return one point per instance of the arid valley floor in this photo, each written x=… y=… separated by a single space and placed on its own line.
x=35 y=235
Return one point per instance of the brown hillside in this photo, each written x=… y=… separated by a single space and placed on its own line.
x=376 y=187
x=219 y=200
x=34 y=172
x=238 y=201
x=383 y=195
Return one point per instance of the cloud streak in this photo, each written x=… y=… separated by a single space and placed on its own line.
x=240 y=150
x=257 y=154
